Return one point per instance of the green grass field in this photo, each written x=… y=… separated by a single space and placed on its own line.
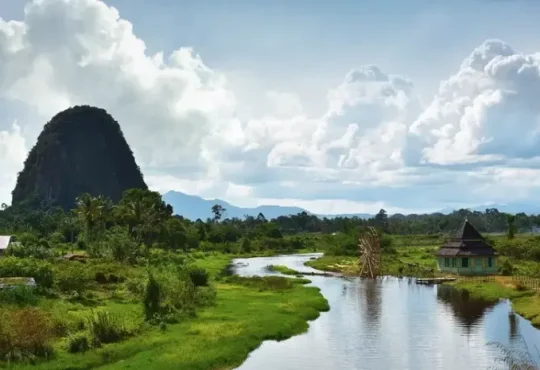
x=219 y=337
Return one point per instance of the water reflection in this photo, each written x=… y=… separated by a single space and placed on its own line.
x=468 y=310
x=391 y=323
x=513 y=325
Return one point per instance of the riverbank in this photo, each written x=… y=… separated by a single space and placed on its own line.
x=247 y=312
x=418 y=262
x=525 y=302
x=409 y=261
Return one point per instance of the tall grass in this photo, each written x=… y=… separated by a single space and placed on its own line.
x=25 y=335
x=107 y=328
x=19 y=296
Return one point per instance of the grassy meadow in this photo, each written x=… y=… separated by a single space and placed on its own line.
x=231 y=317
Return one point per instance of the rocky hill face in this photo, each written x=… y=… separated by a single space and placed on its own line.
x=80 y=150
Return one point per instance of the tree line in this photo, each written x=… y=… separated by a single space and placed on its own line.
x=142 y=217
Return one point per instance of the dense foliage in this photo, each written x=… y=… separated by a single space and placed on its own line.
x=80 y=150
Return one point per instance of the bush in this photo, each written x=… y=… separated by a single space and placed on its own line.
x=72 y=279
x=205 y=296
x=106 y=328
x=135 y=286
x=246 y=245
x=506 y=268
x=169 y=292
x=24 y=335
x=263 y=282
x=152 y=297
x=41 y=271
x=78 y=343
x=31 y=251
x=100 y=277
x=198 y=276
x=20 y=296
x=122 y=246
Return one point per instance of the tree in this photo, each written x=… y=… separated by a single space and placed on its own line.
x=381 y=220
x=174 y=234
x=511 y=221
x=260 y=218
x=87 y=213
x=144 y=213
x=218 y=210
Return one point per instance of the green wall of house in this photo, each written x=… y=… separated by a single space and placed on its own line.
x=468 y=265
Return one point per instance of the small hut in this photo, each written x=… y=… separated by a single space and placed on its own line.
x=5 y=242
x=467 y=253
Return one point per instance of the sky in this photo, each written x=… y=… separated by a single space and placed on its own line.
x=337 y=107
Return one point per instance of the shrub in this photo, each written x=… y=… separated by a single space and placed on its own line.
x=106 y=328
x=19 y=295
x=121 y=245
x=72 y=279
x=31 y=251
x=78 y=343
x=100 y=277
x=198 y=276
x=263 y=282
x=246 y=245
x=24 y=335
x=169 y=292
x=41 y=271
x=135 y=286
x=506 y=268
x=152 y=297
x=205 y=296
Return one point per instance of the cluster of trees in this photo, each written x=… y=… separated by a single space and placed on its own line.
x=142 y=218
x=127 y=229
x=489 y=221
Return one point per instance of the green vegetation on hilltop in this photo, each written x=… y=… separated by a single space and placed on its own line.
x=80 y=150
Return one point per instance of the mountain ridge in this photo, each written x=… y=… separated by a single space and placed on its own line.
x=194 y=207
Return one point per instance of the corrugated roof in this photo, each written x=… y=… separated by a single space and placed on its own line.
x=4 y=241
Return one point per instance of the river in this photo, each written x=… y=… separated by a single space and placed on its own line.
x=392 y=323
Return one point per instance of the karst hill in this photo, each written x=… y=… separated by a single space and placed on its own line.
x=80 y=150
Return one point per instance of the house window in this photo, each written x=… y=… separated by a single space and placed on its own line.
x=453 y=262
x=490 y=262
x=464 y=262
x=447 y=262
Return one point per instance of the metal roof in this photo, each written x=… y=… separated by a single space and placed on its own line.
x=4 y=241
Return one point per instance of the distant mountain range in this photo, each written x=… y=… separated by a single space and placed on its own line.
x=194 y=207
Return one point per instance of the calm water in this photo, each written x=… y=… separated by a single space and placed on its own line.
x=392 y=323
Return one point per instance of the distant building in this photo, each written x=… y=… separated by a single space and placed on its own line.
x=5 y=242
x=467 y=253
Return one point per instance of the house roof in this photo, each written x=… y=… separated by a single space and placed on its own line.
x=468 y=232
x=466 y=243
x=4 y=241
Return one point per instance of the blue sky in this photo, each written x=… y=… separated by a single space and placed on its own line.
x=274 y=115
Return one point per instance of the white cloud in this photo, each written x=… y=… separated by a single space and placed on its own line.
x=12 y=156
x=487 y=111
x=180 y=117
x=167 y=108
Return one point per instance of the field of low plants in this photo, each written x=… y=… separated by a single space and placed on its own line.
x=84 y=315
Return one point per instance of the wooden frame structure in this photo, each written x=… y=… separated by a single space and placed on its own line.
x=369 y=251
